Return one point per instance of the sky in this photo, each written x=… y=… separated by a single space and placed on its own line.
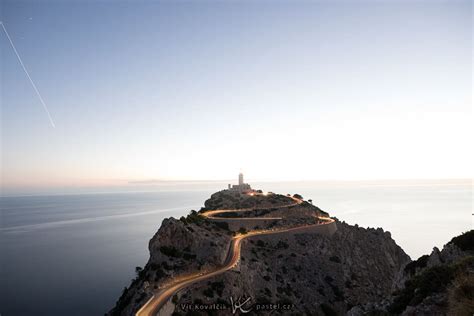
x=283 y=91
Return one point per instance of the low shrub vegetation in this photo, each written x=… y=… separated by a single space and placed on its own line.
x=432 y=280
x=417 y=264
x=242 y=230
x=328 y=310
x=170 y=251
x=465 y=241
x=222 y=225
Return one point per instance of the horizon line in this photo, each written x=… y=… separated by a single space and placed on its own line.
x=150 y=185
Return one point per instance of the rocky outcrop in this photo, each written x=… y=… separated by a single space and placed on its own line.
x=352 y=271
x=179 y=247
x=187 y=246
x=227 y=199
x=313 y=272
x=441 y=283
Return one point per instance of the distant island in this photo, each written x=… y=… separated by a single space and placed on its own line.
x=252 y=251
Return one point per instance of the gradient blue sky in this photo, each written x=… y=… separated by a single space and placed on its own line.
x=199 y=90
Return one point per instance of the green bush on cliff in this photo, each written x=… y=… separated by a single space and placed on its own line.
x=465 y=241
x=282 y=245
x=218 y=287
x=242 y=230
x=170 y=251
x=208 y=292
x=417 y=264
x=138 y=271
x=159 y=272
x=328 y=310
x=188 y=256
x=432 y=280
x=193 y=218
x=461 y=295
x=222 y=225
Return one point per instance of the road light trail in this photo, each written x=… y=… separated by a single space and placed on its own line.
x=28 y=75
x=159 y=299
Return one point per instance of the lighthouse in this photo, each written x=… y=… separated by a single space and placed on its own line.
x=242 y=187
x=241 y=179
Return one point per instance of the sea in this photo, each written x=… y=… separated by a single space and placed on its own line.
x=73 y=254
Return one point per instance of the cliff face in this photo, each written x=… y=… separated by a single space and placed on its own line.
x=316 y=274
x=180 y=247
x=309 y=272
x=441 y=283
x=188 y=246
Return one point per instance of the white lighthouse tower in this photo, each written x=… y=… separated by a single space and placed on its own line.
x=242 y=186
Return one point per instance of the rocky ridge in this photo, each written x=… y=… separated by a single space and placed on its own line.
x=356 y=271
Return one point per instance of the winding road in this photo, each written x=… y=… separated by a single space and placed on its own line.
x=159 y=299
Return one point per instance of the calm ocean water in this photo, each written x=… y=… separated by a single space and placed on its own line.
x=73 y=254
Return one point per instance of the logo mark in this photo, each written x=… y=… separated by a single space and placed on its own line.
x=240 y=305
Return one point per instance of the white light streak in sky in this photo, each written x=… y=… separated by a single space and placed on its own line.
x=28 y=75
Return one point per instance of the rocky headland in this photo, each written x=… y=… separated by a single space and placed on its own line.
x=301 y=264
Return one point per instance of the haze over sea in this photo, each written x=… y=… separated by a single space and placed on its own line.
x=73 y=254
